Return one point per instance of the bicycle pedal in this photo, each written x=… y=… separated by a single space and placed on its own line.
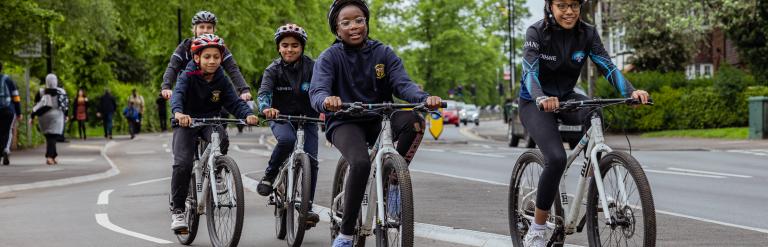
x=181 y=231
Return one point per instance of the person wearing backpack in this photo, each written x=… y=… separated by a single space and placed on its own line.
x=10 y=109
x=131 y=113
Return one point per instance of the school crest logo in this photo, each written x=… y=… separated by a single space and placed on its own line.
x=215 y=97
x=578 y=56
x=380 y=71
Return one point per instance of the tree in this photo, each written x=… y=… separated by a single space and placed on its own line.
x=746 y=23
x=663 y=33
x=22 y=23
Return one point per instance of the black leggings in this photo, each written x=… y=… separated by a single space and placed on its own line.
x=352 y=140
x=542 y=127
x=50 y=145
x=81 y=128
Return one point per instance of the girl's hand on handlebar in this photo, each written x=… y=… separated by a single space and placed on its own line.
x=252 y=120
x=332 y=103
x=184 y=120
x=271 y=113
x=549 y=104
x=641 y=95
x=433 y=102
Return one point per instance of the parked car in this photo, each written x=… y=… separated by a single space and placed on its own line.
x=470 y=114
x=451 y=113
x=516 y=132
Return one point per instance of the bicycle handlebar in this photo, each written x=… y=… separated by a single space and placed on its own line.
x=281 y=117
x=386 y=105
x=574 y=104
x=196 y=122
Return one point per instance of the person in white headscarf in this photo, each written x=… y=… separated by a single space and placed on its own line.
x=55 y=105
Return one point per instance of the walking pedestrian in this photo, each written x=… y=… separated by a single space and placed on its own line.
x=51 y=106
x=81 y=112
x=10 y=110
x=107 y=109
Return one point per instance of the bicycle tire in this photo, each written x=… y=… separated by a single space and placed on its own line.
x=296 y=209
x=395 y=171
x=339 y=177
x=518 y=226
x=193 y=218
x=233 y=238
x=280 y=208
x=595 y=222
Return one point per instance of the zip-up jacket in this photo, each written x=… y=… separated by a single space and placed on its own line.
x=285 y=87
x=371 y=74
x=198 y=98
x=553 y=58
x=183 y=55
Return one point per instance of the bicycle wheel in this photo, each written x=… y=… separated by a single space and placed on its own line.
x=225 y=221
x=522 y=197
x=298 y=205
x=193 y=218
x=280 y=208
x=634 y=218
x=396 y=229
x=339 y=180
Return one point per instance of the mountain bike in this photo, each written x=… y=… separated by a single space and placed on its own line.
x=619 y=202
x=292 y=187
x=390 y=217
x=215 y=189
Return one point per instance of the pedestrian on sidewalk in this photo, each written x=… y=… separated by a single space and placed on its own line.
x=10 y=110
x=81 y=112
x=107 y=109
x=131 y=113
x=138 y=103
x=162 y=112
x=51 y=105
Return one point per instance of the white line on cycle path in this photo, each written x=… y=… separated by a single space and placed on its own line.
x=103 y=220
x=761 y=230
x=707 y=172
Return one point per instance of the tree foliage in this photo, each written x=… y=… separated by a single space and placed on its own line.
x=746 y=23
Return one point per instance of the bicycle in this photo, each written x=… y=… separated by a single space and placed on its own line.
x=624 y=215
x=390 y=218
x=210 y=166
x=290 y=191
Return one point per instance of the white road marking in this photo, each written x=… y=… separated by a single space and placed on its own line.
x=167 y=150
x=165 y=145
x=82 y=146
x=460 y=177
x=432 y=150
x=714 y=221
x=149 y=181
x=710 y=173
x=683 y=174
x=104 y=197
x=253 y=151
x=76 y=160
x=103 y=220
x=481 y=154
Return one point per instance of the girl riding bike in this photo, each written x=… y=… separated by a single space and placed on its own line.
x=285 y=90
x=555 y=50
x=358 y=69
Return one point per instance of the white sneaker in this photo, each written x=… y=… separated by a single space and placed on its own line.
x=178 y=220
x=535 y=239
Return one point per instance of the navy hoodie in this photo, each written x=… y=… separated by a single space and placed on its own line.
x=371 y=74
x=198 y=98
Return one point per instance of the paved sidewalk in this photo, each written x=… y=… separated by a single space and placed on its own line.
x=497 y=131
x=79 y=161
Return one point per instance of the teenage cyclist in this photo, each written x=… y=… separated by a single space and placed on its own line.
x=358 y=69
x=285 y=90
x=203 y=22
x=201 y=92
x=555 y=50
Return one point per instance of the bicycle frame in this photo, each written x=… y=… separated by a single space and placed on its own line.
x=287 y=168
x=594 y=142
x=206 y=179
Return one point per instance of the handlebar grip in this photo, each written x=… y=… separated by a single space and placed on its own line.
x=443 y=104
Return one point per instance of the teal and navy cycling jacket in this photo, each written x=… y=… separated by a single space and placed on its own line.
x=553 y=58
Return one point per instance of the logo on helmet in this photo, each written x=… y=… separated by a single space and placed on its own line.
x=380 y=71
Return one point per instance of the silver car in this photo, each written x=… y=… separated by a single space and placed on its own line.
x=470 y=114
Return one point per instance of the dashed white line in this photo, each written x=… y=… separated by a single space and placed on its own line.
x=714 y=221
x=683 y=174
x=149 y=181
x=140 y=152
x=481 y=154
x=710 y=173
x=103 y=220
x=459 y=177
x=104 y=197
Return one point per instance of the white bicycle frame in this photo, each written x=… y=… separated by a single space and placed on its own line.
x=288 y=165
x=594 y=141
x=203 y=185
x=384 y=145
